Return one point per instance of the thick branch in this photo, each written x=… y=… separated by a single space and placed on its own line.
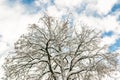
x=49 y=60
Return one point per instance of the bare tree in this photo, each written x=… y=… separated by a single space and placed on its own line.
x=56 y=51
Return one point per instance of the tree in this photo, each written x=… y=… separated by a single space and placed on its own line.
x=55 y=50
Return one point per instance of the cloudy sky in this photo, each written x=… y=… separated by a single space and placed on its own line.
x=15 y=15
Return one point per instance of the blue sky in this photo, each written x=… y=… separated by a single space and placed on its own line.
x=104 y=15
x=115 y=46
x=109 y=34
x=115 y=7
x=94 y=13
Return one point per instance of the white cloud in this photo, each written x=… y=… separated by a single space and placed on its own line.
x=55 y=12
x=13 y=22
x=3 y=47
x=38 y=2
x=104 y=6
x=108 y=23
x=109 y=40
x=101 y=6
x=68 y=3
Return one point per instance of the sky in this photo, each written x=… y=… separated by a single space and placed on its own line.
x=16 y=15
